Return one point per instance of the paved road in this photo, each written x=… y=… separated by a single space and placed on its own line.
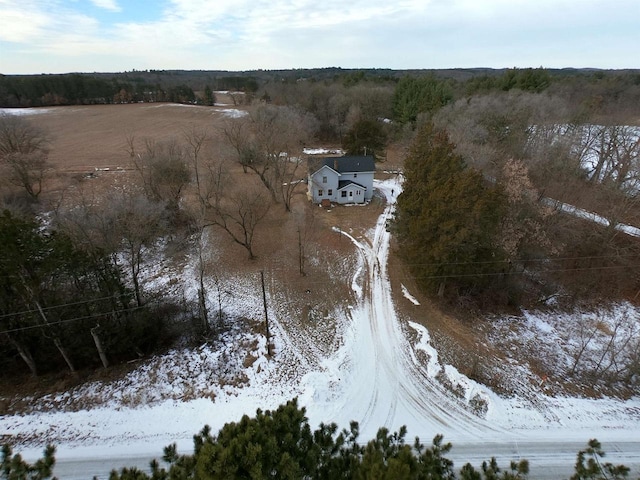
x=548 y=460
x=88 y=468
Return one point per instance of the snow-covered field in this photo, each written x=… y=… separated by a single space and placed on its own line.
x=377 y=376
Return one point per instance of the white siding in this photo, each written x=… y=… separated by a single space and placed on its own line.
x=351 y=194
x=323 y=184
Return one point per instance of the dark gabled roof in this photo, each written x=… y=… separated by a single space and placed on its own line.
x=362 y=163
x=346 y=183
x=352 y=164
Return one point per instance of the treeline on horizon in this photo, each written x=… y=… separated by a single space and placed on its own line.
x=92 y=89
x=184 y=86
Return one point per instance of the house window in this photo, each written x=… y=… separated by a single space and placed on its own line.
x=320 y=193
x=351 y=194
x=358 y=192
x=343 y=194
x=330 y=192
x=324 y=179
x=355 y=175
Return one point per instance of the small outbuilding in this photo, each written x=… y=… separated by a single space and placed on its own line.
x=341 y=179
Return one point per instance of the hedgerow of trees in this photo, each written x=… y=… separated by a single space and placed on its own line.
x=77 y=89
x=281 y=444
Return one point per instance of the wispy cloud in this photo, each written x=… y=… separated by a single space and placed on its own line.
x=111 y=5
x=61 y=35
x=21 y=25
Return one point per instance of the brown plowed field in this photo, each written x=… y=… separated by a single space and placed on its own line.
x=84 y=138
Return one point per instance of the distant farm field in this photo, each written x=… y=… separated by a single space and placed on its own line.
x=84 y=138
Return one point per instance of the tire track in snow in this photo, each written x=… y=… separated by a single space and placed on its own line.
x=386 y=377
x=363 y=398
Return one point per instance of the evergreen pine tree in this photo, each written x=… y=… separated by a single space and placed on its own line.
x=366 y=137
x=13 y=467
x=209 y=97
x=419 y=95
x=589 y=467
x=447 y=217
x=280 y=445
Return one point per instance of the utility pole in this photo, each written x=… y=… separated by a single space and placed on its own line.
x=300 y=254
x=266 y=317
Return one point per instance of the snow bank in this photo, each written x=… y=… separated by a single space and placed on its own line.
x=408 y=296
x=24 y=111
x=232 y=112
x=323 y=151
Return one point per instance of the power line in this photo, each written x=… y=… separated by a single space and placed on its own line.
x=497 y=262
x=326 y=282
x=531 y=260
x=52 y=307
x=523 y=272
x=481 y=274
x=70 y=320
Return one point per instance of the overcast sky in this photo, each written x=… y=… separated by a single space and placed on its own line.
x=57 y=36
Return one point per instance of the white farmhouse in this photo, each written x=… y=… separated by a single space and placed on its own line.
x=341 y=179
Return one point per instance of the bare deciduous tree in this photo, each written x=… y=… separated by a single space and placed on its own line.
x=490 y=129
x=197 y=141
x=610 y=154
x=23 y=154
x=240 y=98
x=607 y=351
x=239 y=215
x=163 y=169
x=523 y=224
x=123 y=223
x=139 y=223
x=269 y=142
x=208 y=166
x=210 y=182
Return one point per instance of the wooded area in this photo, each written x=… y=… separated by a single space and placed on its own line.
x=86 y=89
